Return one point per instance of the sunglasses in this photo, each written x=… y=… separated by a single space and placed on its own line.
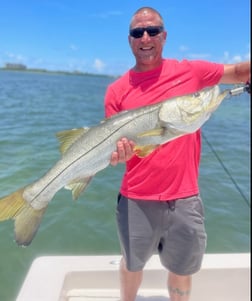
x=152 y=31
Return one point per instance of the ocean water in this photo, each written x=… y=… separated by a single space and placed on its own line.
x=34 y=106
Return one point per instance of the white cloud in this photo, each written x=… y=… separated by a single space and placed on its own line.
x=226 y=56
x=237 y=58
x=230 y=59
x=183 y=48
x=199 y=56
x=19 y=58
x=75 y=65
x=106 y=15
x=74 y=47
x=99 y=65
x=247 y=56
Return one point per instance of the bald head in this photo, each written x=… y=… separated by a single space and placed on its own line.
x=145 y=11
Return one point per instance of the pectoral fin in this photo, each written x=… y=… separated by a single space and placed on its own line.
x=144 y=150
x=78 y=186
x=153 y=132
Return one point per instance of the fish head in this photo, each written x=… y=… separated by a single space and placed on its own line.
x=189 y=112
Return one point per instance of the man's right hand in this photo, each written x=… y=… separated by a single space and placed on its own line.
x=125 y=150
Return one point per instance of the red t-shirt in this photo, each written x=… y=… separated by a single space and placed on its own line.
x=171 y=171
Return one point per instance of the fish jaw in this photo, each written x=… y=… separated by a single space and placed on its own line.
x=188 y=113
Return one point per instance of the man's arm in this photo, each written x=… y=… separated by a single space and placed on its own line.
x=236 y=73
x=233 y=73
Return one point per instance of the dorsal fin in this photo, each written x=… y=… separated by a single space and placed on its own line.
x=68 y=137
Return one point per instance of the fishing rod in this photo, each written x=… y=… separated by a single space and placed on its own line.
x=232 y=92
x=226 y=170
x=242 y=89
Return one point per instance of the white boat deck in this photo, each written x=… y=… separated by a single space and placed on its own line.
x=223 y=277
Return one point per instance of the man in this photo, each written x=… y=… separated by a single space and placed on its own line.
x=159 y=207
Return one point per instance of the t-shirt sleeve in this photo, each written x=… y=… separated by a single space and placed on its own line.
x=208 y=73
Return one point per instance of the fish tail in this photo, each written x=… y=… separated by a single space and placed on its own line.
x=27 y=219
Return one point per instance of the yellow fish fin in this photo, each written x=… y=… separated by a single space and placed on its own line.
x=78 y=186
x=27 y=219
x=153 y=132
x=68 y=137
x=145 y=150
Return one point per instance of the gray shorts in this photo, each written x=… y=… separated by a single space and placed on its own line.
x=174 y=229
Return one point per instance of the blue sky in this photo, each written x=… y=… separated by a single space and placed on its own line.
x=92 y=36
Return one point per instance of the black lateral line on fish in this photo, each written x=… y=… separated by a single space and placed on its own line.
x=155 y=107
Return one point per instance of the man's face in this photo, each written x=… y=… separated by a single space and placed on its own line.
x=147 y=49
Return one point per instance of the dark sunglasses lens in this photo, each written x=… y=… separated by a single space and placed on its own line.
x=151 y=30
x=137 y=32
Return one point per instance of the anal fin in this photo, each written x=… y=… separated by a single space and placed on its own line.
x=78 y=186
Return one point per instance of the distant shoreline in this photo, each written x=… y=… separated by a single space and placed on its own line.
x=32 y=70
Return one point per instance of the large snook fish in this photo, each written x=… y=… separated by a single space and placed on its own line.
x=86 y=151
